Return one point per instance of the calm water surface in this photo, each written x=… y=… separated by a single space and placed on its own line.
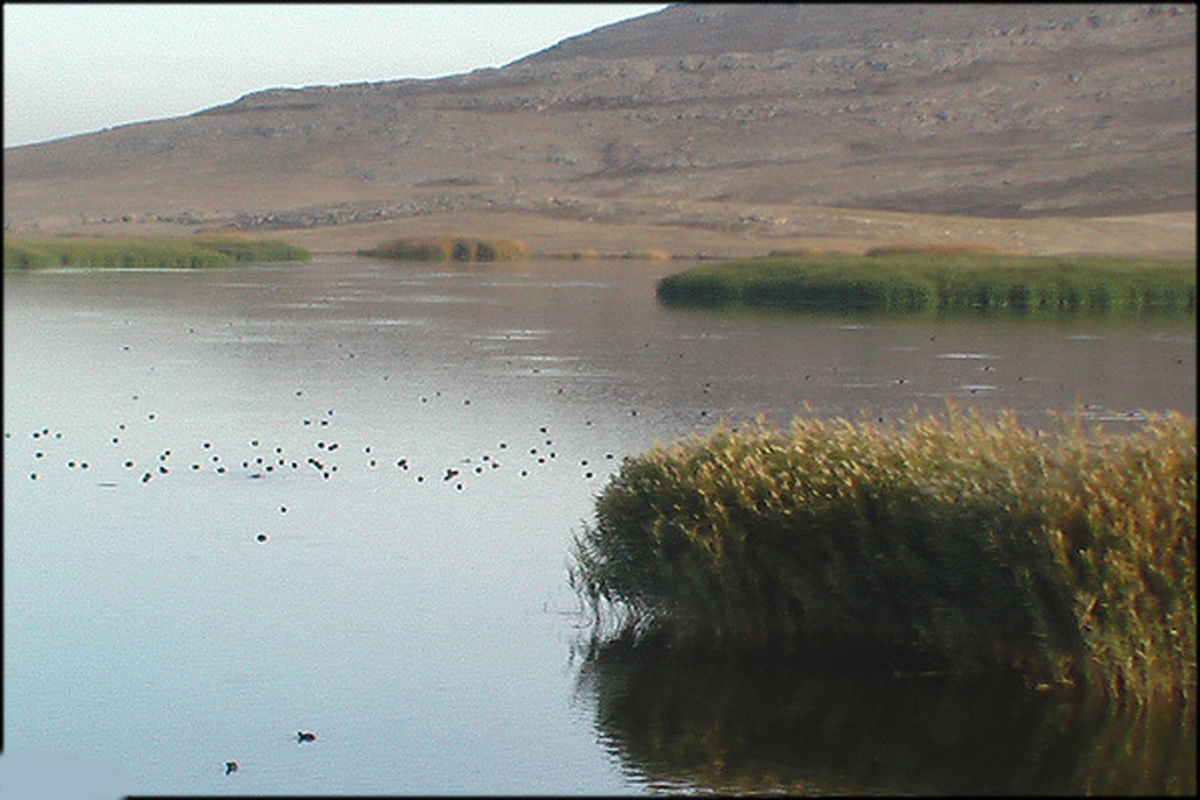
x=419 y=445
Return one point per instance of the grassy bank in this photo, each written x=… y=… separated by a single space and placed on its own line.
x=448 y=248
x=29 y=252
x=952 y=543
x=933 y=280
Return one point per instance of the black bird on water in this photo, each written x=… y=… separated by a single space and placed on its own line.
x=305 y=736
x=231 y=766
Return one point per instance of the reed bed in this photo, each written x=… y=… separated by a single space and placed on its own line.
x=449 y=248
x=258 y=250
x=27 y=252
x=938 y=280
x=110 y=252
x=952 y=543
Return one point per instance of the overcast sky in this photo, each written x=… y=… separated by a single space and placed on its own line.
x=71 y=68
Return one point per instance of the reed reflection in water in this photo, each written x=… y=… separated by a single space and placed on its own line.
x=685 y=722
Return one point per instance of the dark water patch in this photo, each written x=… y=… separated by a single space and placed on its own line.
x=697 y=722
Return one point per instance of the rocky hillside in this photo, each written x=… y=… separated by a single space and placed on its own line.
x=695 y=115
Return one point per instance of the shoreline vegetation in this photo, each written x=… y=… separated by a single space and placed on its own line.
x=958 y=544
x=935 y=280
x=448 y=248
x=592 y=254
x=112 y=252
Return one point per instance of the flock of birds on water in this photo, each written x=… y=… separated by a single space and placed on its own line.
x=264 y=459
x=261 y=459
x=258 y=458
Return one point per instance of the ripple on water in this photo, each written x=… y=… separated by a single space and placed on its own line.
x=517 y=335
x=966 y=356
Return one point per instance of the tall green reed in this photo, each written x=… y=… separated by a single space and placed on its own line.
x=128 y=252
x=914 y=281
x=109 y=252
x=259 y=250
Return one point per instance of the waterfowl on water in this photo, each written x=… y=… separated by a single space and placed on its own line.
x=305 y=736
x=231 y=766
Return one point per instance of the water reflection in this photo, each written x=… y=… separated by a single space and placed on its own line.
x=690 y=723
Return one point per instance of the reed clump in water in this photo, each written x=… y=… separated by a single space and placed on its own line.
x=109 y=252
x=255 y=249
x=937 y=280
x=128 y=252
x=449 y=248
x=956 y=544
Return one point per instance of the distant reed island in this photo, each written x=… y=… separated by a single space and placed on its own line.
x=958 y=544
x=448 y=248
x=935 y=280
x=113 y=252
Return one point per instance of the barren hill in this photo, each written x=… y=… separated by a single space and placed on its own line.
x=741 y=126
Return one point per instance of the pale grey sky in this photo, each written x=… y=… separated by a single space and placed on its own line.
x=77 y=68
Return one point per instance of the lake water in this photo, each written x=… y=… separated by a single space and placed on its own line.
x=419 y=444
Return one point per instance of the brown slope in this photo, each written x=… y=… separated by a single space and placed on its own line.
x=712 y=28
x=698 y=116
